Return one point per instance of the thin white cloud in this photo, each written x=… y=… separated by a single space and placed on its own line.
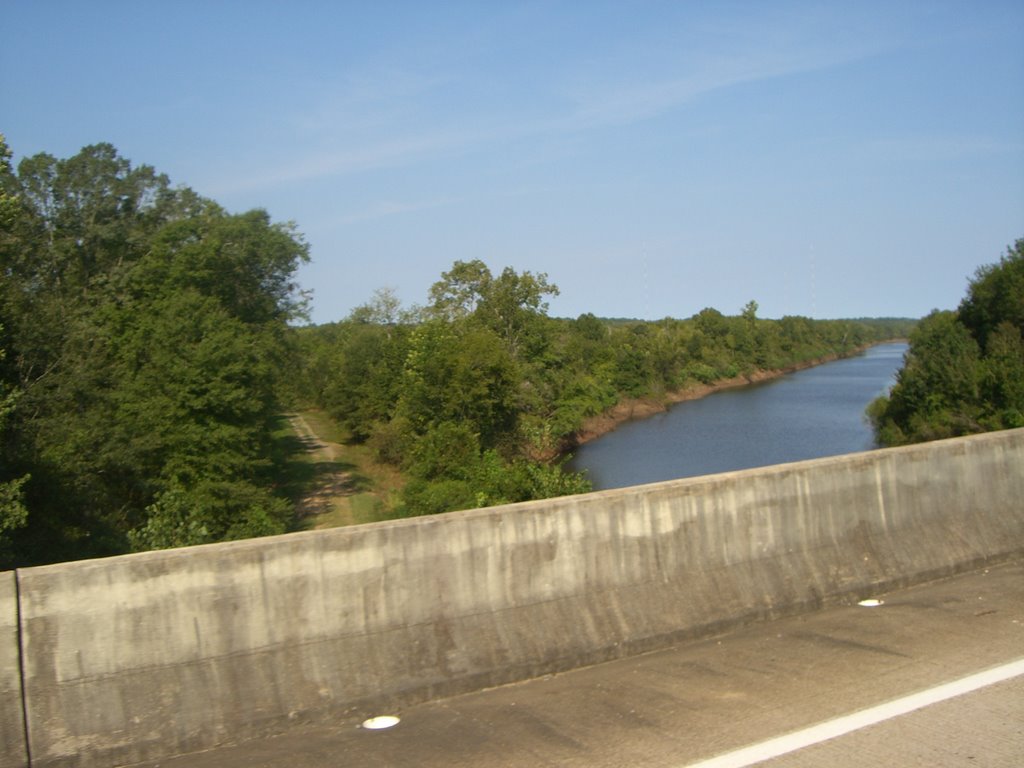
x=700 y=73
x=931 y=147
x=385 y=208
x=356 y=157
x=392 y=120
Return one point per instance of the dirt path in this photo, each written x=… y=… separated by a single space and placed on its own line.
x=332 y=484
x=314 y=445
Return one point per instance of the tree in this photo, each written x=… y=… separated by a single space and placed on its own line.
x=147 y=332
x=366 y=377
x=460 y=289
x=509 y=305
x=964 y=370
x=243 y=261
x=383 y=309
x=936 y=393
x=92 y=213
x=1002 y=378
x=13 y=224
x=207 y=511
x=512 y=306
x=995 y=296
x=462 y=375
x=13 y=514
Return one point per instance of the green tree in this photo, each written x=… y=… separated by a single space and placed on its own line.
x=147 y=331
x=209 y=510
x=459 y=291
x=510 y=305
x=13 y=513
x=383 y=309
x=1002 y=378
x=366 y=378
x=513 y=306
x=964 y=370
x=936 y=392
x=461 y=374
x=995 y=296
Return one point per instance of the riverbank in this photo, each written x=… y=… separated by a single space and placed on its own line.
x=631 y=409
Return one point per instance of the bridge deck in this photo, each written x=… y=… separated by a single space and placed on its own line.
x=678 y=707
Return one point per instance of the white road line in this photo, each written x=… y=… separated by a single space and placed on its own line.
x=840 y=726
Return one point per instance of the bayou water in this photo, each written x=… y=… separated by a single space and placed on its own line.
x=804 y=415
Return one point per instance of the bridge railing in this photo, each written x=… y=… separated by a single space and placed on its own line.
x=145 y=656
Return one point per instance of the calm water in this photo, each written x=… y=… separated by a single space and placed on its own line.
x=805 y=415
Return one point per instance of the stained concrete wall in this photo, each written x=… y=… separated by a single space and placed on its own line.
x=13 y=753
x=137 y=657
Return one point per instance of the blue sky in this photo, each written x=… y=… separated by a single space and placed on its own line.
x=653 y=158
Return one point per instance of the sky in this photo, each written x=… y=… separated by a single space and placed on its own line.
x=827 y=159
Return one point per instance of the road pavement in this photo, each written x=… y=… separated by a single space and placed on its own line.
x=844 y=673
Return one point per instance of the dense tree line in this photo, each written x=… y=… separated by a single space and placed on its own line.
x=143 y=333
x=964 y=370
x=476 y=393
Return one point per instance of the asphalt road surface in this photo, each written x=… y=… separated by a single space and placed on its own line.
x=934 y=676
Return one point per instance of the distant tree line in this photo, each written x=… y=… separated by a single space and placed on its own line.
x=477 y=394
x=964 y=370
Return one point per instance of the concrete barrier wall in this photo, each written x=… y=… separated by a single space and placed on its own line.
x=13 y=752
x=143 y=656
